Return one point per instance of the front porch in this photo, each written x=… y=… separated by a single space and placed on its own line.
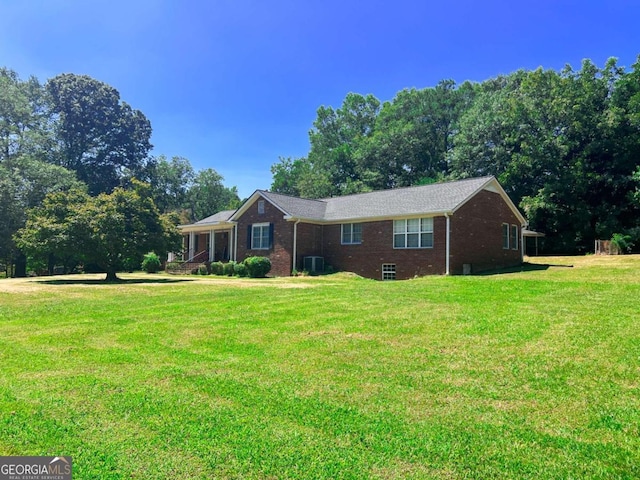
x=209 y=240
x=211 y=246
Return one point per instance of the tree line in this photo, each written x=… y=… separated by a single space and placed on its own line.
x=78 y=183
x=564 y=144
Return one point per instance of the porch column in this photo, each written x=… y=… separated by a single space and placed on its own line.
x=212 y=245
x=192 y=244
x=231 y=253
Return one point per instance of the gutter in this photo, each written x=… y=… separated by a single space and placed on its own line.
x=448 y=243
x=295 y=244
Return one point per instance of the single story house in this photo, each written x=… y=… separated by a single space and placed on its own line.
x=454 y=227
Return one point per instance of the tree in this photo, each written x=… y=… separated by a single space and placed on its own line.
x=413 y=136
x=361 y=147
x=170 y=181
x=108 y=230
x=24 y=119
x=208 y=195
x=335 y=137
x=99 y=137
x=286 y=175
x=24 y=183
x=564 y=146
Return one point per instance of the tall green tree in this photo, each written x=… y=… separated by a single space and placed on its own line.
x=99 y=136
x=413 y=136
x=24 y=183
x=25 y=122
x=208 y=195
x=170 y=182
x=335 y=137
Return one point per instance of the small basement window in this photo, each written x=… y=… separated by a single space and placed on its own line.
x=388 y=271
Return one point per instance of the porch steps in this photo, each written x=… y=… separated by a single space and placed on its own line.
x=186 y=267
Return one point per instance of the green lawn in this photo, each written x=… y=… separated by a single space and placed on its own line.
x=531 y=374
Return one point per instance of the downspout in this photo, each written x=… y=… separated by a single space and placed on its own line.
x=234 y=232
x=295 y=245
x=448 y=243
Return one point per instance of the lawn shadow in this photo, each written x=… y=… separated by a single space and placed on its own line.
x=120 y=281
x=524 y=267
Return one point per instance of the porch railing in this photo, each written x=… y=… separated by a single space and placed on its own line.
x=186 y=266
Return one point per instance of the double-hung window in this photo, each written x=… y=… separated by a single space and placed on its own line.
x=351 y=233
x=260 y=236
x=413 y=233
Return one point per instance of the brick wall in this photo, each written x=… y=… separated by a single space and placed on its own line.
x=310 y=243
x=282 y=248
x=366 y=259
x=476 y=234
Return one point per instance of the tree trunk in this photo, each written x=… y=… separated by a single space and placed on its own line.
x=111 y=276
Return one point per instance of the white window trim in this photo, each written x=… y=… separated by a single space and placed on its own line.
x=505 y=246
x=350 y=225
x=419 y=232
x=259 y=225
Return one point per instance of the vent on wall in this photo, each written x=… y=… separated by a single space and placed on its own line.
x=313 y=264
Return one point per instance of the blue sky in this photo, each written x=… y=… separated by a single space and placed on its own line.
x=233 y=85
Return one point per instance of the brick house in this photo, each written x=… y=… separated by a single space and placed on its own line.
x=455 y=227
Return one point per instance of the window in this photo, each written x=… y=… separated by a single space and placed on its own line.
x=413 y=233
x=388 y=271
x=505 y=236
x=351 y=233
x=260 y=207
x=514 y=237
x=260 y=234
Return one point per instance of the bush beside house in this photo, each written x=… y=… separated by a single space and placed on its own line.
x=254 y=267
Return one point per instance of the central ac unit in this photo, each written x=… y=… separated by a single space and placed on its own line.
x=313 y=264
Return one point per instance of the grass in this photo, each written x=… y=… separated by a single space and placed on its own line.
x=528 y=374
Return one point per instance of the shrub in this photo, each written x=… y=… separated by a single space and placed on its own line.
x=202 y=270
x=130 y=264
x=258 y=267
x=217 y=268
x=240 y=269
x=151 y=263
x=172 y=265
x=622 y=243
x=228 y=268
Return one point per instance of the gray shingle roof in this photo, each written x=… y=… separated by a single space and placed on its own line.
x=216 y=218
x=425 y=199
x=297 y=207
